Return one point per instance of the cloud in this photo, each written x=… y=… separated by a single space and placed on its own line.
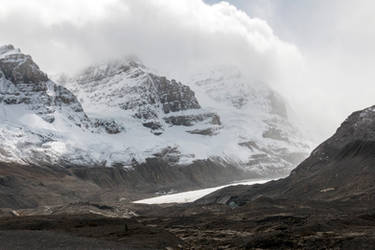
x=336 y=41
x=173 y=36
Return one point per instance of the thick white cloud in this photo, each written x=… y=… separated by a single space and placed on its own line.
x=336 y=39
x=173 y=36
x=53 y=12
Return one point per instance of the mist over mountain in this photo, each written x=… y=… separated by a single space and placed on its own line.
x=124 y=113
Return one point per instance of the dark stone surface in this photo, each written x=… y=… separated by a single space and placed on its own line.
x=190 y=120
x=207 y=131
x=110 y=126
x=173 y=95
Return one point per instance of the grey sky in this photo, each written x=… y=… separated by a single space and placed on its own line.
x=318 y=54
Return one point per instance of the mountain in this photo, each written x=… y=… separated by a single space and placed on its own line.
x=339 y=170
x=121 y=128
x=52 y=152
x=34 y=110
x=125 y=113
x=219 y=115
x=255 y=119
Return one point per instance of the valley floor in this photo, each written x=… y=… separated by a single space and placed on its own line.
x=262 y=224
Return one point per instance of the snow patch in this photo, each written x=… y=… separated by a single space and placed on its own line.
x=192 y=196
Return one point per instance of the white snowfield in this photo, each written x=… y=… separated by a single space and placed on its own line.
x=192 y=196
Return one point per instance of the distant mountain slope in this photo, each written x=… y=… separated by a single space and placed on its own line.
x=254 y=116
x=340 y=169
x=226 y=118
x=122 y=128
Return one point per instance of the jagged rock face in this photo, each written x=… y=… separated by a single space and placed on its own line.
x=130 y=86
x=173 y=95
x=22 y=82
x=19 y=68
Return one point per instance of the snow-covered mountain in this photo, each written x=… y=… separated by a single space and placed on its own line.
x=255 y=120
x=226 y=118
x=24 y=85
x=128 y=91
x=35 y=112
x=125 y=113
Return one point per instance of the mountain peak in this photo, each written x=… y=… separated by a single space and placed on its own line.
x=359 y=126
x=24 y=84
x=8 y=48
x=18 y=67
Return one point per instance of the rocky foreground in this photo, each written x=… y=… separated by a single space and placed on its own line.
x=263 y=224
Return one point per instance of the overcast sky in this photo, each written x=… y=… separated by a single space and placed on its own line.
x=318 y=54
x=336 y=40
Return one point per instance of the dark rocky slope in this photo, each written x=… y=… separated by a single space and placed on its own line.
x=340 y=169
x=32 y=186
